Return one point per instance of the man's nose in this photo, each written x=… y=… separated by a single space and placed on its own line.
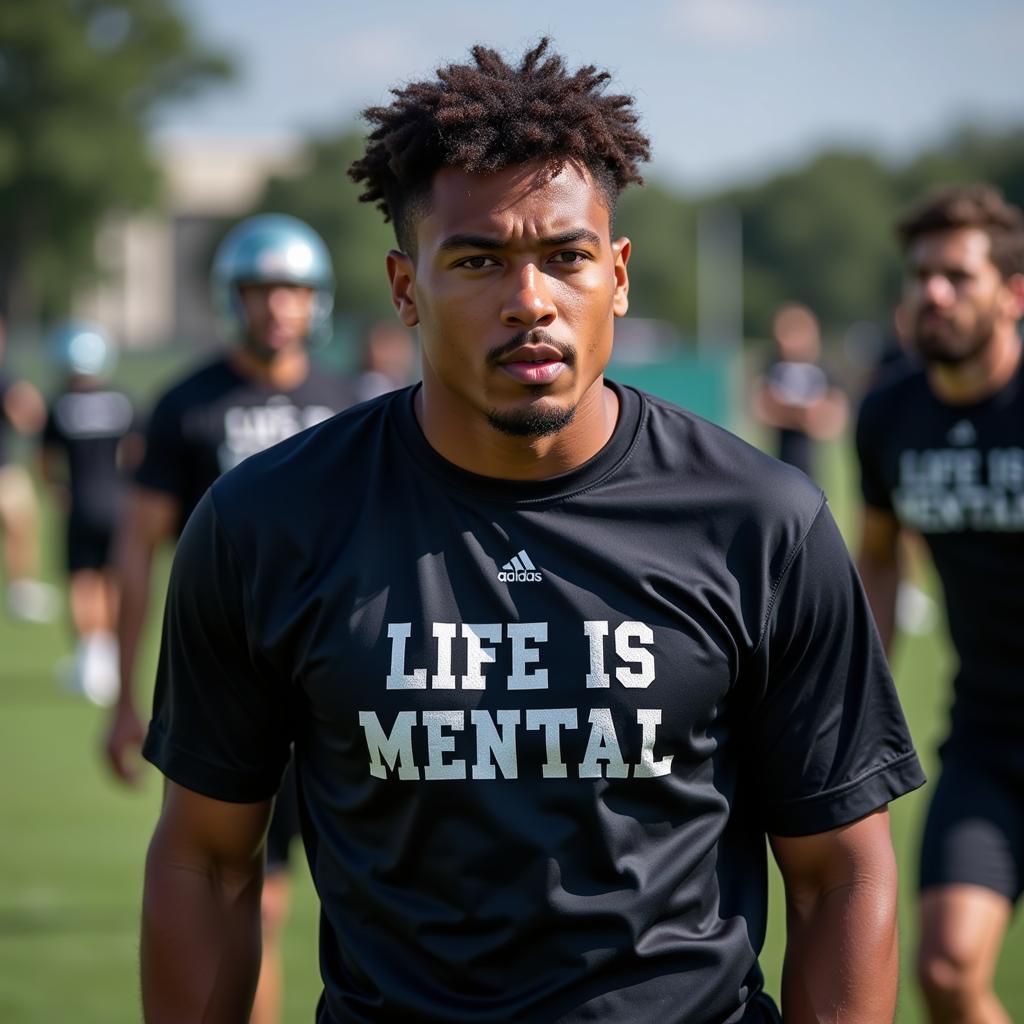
x=281 y=301
x=530 y=303
x=938 y=289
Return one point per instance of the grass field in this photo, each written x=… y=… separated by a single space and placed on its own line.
x=73 y=841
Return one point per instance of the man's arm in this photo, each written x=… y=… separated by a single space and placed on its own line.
x=50 y=464
x=823 y=419
x=826 y=418
x=201 y=910
x=150 y=519
x=878 y=562
x=842 y=953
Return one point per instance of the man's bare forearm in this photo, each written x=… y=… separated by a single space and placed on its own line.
x=881 y=581
x=200 y=938
x=134 y=571
x=842 y=956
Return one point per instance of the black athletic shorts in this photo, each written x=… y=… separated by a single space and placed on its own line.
x=88 y=545
x=284 y=823
x=974 y=833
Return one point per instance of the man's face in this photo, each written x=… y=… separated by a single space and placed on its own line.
x=277 y=317
x=954 y=296
x=515 y=287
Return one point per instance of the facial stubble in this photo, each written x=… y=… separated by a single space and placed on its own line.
x=935 y=347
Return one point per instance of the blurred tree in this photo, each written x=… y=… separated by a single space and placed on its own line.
x=662 y=279
x=78 y=81
x=821 y=235
x=969 y=155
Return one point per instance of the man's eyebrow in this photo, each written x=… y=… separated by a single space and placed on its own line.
x=471 y=242
x=489 y=243
x=575 y=235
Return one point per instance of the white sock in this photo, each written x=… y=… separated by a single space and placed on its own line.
x=33 y=601
x=98 y=673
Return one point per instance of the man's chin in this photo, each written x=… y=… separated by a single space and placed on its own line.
x=940 y=352
x=266 y=351
x=539 y=419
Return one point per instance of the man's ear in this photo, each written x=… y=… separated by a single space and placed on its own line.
x=402 y=275
x=1015 y=285
x=621 y=249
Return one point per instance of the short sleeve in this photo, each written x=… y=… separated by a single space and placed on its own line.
x=165 y=462
x=221 y=724
x=872 y=480
x=829 y=740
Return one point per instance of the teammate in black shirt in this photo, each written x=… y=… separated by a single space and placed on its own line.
x=88 y=436
x=555 y=656
x=273 y=282
x=795 y=396
x=942 y=453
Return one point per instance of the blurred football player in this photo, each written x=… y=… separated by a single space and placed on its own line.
x=273 y=282
x=941 y=446
x=795 y=396
x=90 y=438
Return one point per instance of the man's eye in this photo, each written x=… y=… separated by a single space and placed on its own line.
x=478 y=262
x=570 y=257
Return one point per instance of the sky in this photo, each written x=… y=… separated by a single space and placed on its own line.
x=727 y=89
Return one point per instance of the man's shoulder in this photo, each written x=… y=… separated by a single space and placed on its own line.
x=331 y=458
x=94 y=411
x=199 y=385
x=730 y=471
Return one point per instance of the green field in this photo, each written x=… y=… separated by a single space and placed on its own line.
x=73 y=840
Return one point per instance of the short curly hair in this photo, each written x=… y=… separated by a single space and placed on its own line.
x=488 y=115
x=970 y=206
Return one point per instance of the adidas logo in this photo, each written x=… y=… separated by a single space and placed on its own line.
x=519 y=570
x=962 y=434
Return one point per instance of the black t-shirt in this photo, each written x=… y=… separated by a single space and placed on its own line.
x=955 y=474
x=88 y=426
x=5 y=424
x=215 y=418
x=541 y=728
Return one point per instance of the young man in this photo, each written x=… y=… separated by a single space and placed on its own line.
x=273 y=282
x=794 y=397
x=90 y=440
x=555 y=656
x=942 y=453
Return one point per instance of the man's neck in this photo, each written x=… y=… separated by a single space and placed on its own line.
x=285 y=370
x=471 y=443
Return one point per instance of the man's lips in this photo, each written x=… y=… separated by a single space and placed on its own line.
x=533 y=364
x=534 y=373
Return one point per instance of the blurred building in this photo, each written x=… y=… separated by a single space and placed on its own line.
x=155 y=265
